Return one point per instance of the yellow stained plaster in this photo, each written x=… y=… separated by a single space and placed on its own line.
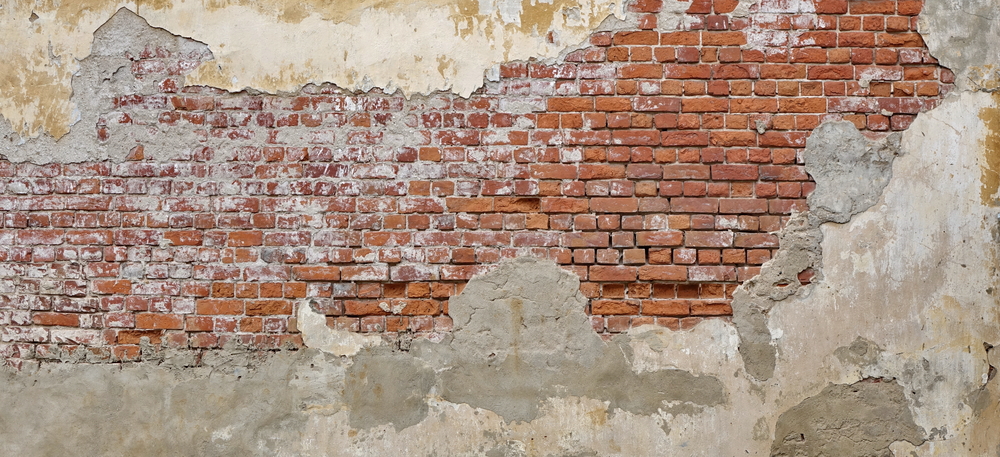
x=990 y=176
x=281 y=45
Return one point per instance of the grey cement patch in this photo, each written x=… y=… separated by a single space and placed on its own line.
x=851 y=172
x=800 y=250
x=387 y=387
x=522 y=336
x=856 y=420
x=861 y=352
x=145 y=409
x=964 y=35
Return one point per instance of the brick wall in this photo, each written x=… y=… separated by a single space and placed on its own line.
x=656 y=166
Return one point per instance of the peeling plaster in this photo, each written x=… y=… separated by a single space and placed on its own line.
x=311 y=42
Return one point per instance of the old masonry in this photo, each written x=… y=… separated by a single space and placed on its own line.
x=500 y=228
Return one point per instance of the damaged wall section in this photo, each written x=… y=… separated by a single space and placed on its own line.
x=655 y=163
x=195 y=229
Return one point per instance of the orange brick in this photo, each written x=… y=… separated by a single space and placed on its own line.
x=159 y=321
x=268 y=307
x=60 y=319
x=317 y=273
x=214 y=307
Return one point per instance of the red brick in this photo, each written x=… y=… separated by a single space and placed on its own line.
x=726 y=172
x=565 y=205
x=634 y=38
x=831 y=72
x=268 y=307
x=742 y=206
x=780 y=71
x=184 y=237
x=636 y=137
x=159 y=321
x=698 y=239
x=108 y=286
x=756 y=240
x=612 y=273
x=898 y=40
x=694 y=205
x=656 y=104
x=684 y=138
x=640 y=70
x=60 y=319
x=711 y=273
x=708 y=308
x=735 y=71
x=666 y=307
x=571 y=104
x=723 y=39
x=732 y=138
x=659 y=238
x=662 y=273
x=614 y=205
x=469 y=205
x=585 y=240
x=215 y=307
x=316 y=273
x=687 y=71
x=246 y=238
x=831 y=6
x=872 y=7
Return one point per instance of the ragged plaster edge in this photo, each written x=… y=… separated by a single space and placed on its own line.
x=379 y=51
x=316 y=334
x=850 y=171
x=99 y=78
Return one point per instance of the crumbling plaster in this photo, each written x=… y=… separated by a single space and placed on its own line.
x=904 y=311
x=276 y=46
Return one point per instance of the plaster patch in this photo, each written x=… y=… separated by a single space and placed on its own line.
x=850 y=173
x=316 y=334
x=857 y=420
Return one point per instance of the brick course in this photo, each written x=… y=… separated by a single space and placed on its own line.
x=653 y=165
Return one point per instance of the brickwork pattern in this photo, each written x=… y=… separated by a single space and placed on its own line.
x=654 y=165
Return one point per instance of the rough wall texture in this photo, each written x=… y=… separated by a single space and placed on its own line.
x=653 y=164
x=327 y=272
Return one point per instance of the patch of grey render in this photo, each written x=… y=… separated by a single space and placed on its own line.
x=522 y=336
x=383 y=386
x=851 y=172
x=964 y=35
x=848 y=420
x=861 y=352
x=102 y=76
x=230 y=405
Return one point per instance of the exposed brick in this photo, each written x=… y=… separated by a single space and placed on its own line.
x=653 y=165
